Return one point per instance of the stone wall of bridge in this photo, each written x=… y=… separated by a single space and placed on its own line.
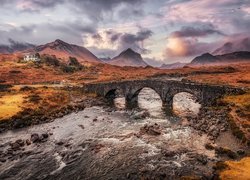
x=206 y=95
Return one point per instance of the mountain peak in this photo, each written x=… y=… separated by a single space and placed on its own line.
x=59 y=41
x=128 y=58
x=129 y=50
x=129 y=53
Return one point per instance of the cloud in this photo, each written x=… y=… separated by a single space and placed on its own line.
x=46 y=32
x=35 y=5
x=99 y=9
x=117 y=41
x=178 y=47
x=226 y=12
x=202 y=31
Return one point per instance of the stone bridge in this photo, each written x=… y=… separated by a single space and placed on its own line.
x=206 y=95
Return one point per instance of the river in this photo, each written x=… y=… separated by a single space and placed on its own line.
x=107 y=143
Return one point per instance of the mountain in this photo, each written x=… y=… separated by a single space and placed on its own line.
x=128 y=58
x=64 y=50
x=234 y=46
x=204 y=59
x=208 y=59
x=15 y=46
x=173 y=65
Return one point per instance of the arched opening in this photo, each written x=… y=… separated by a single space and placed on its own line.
x=150 y=100
x=116 y=98
x=185 y=104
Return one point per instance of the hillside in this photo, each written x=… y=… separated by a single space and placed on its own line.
x=64 y=50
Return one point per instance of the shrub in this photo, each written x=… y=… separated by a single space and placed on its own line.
x=15 y=72
x=34 y=98
x=26 y=88
x=50 y=60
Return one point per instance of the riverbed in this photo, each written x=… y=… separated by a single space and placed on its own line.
x=111 y=143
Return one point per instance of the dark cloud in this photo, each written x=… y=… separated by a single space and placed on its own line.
x=202 y=31
x=42 y=33
x=134 y=41
x=45 y=3
x=97 y=9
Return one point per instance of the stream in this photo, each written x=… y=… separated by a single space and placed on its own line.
x=108 y=143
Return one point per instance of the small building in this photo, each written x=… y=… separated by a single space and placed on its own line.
x=32 y=57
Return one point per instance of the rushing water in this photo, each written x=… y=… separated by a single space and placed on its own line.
x=183 y=103
x=102 y=144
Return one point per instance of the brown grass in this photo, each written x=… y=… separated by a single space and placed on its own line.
x=240 y=115
x=236 y=170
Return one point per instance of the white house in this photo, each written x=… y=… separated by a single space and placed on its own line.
x=31 y=57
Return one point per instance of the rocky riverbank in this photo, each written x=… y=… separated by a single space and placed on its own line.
x=211 y=121
x=29 y=117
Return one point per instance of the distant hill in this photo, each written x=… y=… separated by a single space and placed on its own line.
x=173 y=65
x=105 y=59
x=64 y=50
x=236 y=46
x=128 y=58
x=208 y=59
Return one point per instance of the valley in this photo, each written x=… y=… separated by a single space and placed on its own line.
x=46 y=115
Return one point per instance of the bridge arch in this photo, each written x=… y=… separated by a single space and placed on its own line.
x=169 y=98
x=111 y=94
x=132 y=96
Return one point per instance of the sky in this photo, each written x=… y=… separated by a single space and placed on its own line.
x=163 y=31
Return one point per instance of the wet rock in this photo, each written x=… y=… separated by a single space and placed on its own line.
x=202 y=159
x=241 y=152
x=60 y=143
x=154 y=130
x=20 y=142
x=140 y=115
x=96 y=147
x=2 y=160
x=28 y=142
x=15 y=146
x=226 y=151
x=168 y=153
x=45 y=135
x=81 y=126
x=209 y=146
x=35 y=138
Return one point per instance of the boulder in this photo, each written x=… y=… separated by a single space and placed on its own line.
x=35 y=138
x=154 y=130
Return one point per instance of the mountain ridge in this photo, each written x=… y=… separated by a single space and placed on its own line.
x=209 y=59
